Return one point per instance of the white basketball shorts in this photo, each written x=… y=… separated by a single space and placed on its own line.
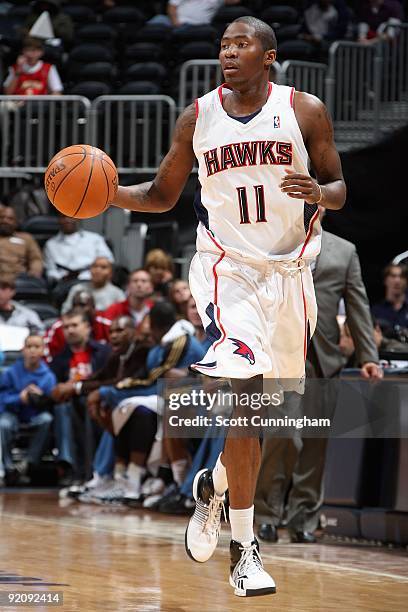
x=260 y=317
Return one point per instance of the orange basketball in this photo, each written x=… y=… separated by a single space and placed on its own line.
x=81 y=181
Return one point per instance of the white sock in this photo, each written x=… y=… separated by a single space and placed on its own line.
x=179 y=469
x=135 y=473
x=242 y=525
x=220 y=477
x=119 y=471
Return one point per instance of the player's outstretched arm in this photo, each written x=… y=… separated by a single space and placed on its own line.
x=163 y=192
x=329 y=189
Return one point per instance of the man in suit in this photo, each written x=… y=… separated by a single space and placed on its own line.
x=291 y=474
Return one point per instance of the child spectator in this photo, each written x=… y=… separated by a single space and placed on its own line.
x=30 y=76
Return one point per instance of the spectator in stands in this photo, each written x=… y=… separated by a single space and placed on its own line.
x=160 y=266
x=179 y=294
x=72 y=251
x=19 y=251
x=373 y=16
x=128 y=358
x=100 y=325
x=174 y=349
x=190 y=12
x=138 y=302
x=291 y=474
x=325 y=21
x=62 y=23
x=25 y=396
x=80 y=358
x=394 y=308
x=100 y=287
x=30 y=76
x=195 y=319
x=13 y=313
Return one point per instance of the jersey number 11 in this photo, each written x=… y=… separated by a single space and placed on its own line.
x=260 y=204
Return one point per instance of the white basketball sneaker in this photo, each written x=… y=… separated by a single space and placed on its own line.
x=203 y=529
x=247 y=576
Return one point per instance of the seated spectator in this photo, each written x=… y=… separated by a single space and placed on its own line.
x=62 y=23
x=54 y=336
x=25 y=396
x=325 y=21
x=373 y=16
x=71 y=253
x=179 y=294
x=13 y=313
x=394 y=308
x=190 y=12
x=137 y=303
x=30 y=76
x=174 y=349
x=80 y=358
x=195 y=319
x=161 y=269
x=100 y=287
x=19 y=251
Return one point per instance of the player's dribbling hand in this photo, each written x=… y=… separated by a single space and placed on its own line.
x=301 y=187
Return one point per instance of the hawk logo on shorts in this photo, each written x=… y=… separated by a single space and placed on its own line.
x=243 y=350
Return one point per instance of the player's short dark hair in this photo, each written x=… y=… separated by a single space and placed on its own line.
x=263 y=31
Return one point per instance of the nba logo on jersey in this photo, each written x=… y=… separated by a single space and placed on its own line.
x=276 y=121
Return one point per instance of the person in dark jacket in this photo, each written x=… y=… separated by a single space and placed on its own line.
x=80 y=358
x=25 y=390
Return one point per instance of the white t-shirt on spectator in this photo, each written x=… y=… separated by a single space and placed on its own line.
x=196 y=12
x=54 y=82
x=74 y=252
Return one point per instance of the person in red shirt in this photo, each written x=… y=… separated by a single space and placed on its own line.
x=30 y=76
x=100 y=324
x=75 y=435
x=137 y=303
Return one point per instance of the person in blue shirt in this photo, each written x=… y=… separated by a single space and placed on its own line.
x=25 y=388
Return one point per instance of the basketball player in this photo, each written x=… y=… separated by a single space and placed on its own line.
x=258 y=232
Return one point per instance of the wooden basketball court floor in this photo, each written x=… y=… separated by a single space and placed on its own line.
x=110 y=558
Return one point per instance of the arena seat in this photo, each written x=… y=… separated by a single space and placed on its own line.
x=45 y=311
x=96 y=32
x=97 y=71
x=297 y=50
x=144 y=52
x=91 y=89
x=227 y=14
x=41 y=227
x=90 y=52
x=31 y=288
x=150 y=32
x=121 y=16
x=138 y=88
x=287 y=32
x=280 y=15
x=197 y=50
x=194 y=33
x=149 y=71
x=79 y=14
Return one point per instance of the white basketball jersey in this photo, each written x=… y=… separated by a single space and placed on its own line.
x=241 y=209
